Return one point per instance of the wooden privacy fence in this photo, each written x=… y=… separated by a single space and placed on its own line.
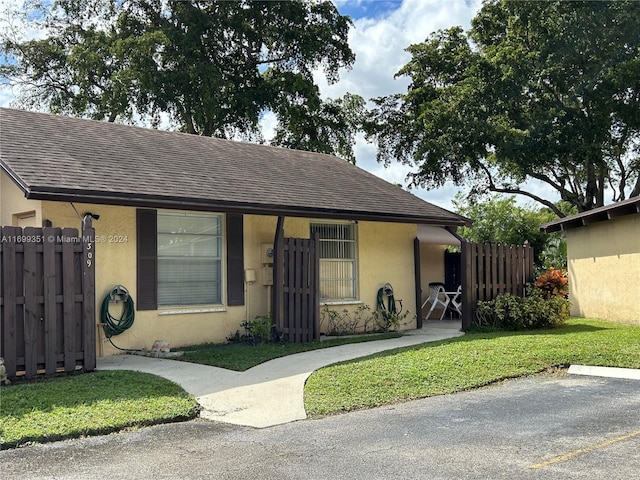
x=489 y=270
x=47 y=300
x=296 y=288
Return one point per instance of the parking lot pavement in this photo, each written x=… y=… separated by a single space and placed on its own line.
x=543 y=427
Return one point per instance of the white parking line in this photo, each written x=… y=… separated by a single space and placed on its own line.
x=611 y=372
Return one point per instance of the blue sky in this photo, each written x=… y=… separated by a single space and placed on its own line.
x=368 y=8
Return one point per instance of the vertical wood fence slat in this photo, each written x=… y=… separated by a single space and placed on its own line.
x=49 y=276
x=494 y=273
x=314 y=276
x=68 y=281
x=88 y=295
x=31 y=323
x=39 y=291
x=305 y=312
x=9 y=335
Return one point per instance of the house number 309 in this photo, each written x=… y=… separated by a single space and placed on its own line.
x=89 y=255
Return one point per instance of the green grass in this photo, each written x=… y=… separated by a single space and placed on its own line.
x=463 y=363
x=88 y=404
x=241 y=357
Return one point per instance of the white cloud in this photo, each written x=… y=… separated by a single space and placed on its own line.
x=379 y=44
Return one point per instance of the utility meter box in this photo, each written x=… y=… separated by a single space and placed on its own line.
x=267 y=253
x=267 y=276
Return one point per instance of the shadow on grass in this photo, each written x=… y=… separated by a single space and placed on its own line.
x=88 y=404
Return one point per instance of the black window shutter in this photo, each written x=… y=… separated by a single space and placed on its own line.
x=235 y=260
x=147 y=259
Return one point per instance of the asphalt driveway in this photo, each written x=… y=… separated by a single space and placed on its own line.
x=547 y=427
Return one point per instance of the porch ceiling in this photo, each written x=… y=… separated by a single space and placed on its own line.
x=434 y=235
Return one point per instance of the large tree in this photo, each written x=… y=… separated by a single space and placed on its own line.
x=210 y=67
x=534 y=90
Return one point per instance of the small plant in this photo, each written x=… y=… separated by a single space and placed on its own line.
x=259 y=330
x=339 y=323
x=387 y=321
x=553 y=282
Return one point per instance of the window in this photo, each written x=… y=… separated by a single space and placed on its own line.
x=337 y=246
x=180 y=259
x=189 y=259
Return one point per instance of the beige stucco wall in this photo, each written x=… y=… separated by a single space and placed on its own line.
x=13 y=205
x=384 y=254
x=604 y=269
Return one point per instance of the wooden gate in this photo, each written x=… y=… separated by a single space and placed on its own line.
x=47 y=300
x=296 y=288
x=489 y=270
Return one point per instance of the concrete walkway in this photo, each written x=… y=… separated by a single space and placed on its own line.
x=270 y=393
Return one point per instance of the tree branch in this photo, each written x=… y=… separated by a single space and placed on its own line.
x=517 y=191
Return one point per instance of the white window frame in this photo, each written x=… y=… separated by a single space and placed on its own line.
x=218 y=295
x=354 y=261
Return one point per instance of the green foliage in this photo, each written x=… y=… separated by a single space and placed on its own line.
x=500 y=220
x=99 y=403
x=346 y=323
x=214 y=68
x=510 y=312
x=259 y=330
x=387 y=321
x=361 y=321
x=543 y=91
x=471 y=361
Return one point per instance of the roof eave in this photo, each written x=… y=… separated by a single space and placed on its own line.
x=187 y=203
x=608 y=212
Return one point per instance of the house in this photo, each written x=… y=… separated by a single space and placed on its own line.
x=186 y=223
x=603 y=253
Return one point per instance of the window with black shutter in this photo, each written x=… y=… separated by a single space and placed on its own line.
x=180 y=259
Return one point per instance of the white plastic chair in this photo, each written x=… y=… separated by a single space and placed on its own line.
x=456 y=301
x=436 y=296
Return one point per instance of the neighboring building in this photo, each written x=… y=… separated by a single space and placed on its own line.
x=186 y=222
x=603 y=253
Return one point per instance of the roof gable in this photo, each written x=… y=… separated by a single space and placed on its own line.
x=70 y=159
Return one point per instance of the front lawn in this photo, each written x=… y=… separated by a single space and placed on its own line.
x=241 y=357
x=89 y=404
x=468 y=362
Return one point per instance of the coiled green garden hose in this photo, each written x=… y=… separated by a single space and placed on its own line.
x=115 y=326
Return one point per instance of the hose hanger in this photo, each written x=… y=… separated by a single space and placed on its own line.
x=111 y=325
x=387 y=291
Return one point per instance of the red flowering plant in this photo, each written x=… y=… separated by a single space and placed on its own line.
x=553 y=282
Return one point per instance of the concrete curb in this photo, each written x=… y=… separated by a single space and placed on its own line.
x=611 y=372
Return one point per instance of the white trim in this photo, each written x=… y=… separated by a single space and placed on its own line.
x=342 y=302
x=192 y=310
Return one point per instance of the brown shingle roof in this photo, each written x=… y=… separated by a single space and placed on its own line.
x=618 y=209
x=70 y=159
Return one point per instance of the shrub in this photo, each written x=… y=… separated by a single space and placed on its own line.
x=259 y=330
x=553 y=282
x=386 y=321
x=509 y=312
